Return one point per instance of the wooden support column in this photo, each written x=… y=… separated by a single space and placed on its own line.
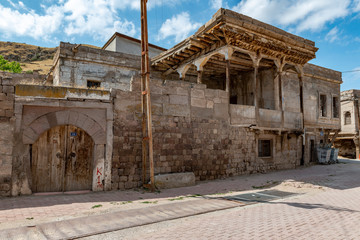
x=281 y=104
x=256 y=62
x=256 y=93
x=227 y=85
x=278 y=88
x=199 y=77
x=277 y=91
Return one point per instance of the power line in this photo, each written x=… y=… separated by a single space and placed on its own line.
x=358 y=70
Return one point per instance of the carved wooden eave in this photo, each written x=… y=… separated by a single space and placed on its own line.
x=241 y=34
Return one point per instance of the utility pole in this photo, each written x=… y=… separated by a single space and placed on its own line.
x=147 y=142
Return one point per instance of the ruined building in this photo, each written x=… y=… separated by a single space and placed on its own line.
x=237 y=97
x=348 y=139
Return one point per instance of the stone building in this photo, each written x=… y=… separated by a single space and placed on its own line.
x=237 y=97
x=348 y=139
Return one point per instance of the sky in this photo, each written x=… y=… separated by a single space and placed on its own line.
x=334 y=25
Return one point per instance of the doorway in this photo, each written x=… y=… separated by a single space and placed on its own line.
x=62 y=160
x=312 y=150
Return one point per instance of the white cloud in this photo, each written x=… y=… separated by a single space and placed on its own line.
x=216 y=4
x=135 y=4
x=333 y=35
x=356 y=6
x=30 y=24
x=95 y=18
x=301 y=15
x=179 y=26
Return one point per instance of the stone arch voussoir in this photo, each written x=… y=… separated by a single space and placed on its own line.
x=67 y=117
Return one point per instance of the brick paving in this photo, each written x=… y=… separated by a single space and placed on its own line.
x=329 y=215
x=329 y=207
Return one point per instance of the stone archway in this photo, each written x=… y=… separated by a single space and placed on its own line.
x=94 y=126
x=67 y=117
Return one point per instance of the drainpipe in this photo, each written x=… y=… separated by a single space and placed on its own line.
x=357 y=118
x=302 y=161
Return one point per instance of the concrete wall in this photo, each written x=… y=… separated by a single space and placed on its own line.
x=128 y=46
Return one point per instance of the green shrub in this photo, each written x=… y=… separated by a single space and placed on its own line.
x=9 y=66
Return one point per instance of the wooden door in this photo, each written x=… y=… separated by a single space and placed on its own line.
x=62 y=160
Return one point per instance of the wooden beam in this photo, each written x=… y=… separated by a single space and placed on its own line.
x=227 y=84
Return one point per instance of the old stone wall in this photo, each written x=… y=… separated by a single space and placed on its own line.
x=76 y=64
x=318 y=81
x=191 y=132
x=6 y=132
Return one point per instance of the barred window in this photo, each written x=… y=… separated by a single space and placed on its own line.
x=264 y=148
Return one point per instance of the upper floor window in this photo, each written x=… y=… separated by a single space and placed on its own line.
x=347 y=118
x=335 y=103
x=323 y=105
x=93 y=84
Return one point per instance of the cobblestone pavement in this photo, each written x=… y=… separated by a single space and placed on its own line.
x=328 y=207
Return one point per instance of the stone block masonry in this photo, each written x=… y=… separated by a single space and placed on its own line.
x=6 y=133
x=192 y=133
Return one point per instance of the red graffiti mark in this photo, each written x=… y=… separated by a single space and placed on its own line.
x=98 y=171
x=99 y=184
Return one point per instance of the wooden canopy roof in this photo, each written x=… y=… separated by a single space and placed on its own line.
x=244 y=35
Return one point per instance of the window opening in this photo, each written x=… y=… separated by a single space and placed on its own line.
x=323 y=105
x=335 y=107
x=347 y=118
x=93 y=84
x=264 y=148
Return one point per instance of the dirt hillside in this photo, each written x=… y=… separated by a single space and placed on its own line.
x=31 y=58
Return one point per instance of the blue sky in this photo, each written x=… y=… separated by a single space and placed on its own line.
x=334 y=25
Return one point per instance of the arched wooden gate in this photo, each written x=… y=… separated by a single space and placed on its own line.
x=62 y=160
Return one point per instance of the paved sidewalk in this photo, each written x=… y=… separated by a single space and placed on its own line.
x=87 y=226
x=331 y=215
x=39 y=210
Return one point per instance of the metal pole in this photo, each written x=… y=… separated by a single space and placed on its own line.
x=145 y=95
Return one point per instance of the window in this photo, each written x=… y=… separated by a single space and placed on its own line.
x=322 y=105
x=93 y=84
x=264 y=148
x=347 y=118
x=335 y=103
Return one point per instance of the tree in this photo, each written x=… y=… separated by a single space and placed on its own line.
x=9 y=66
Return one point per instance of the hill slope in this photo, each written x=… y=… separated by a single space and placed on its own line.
x=30 y=57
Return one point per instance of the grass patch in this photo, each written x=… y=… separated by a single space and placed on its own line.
x=120 y=203
x=96 y=206
x=150 y=202
x=267 y=185
x=194 y=195
x=176 y=199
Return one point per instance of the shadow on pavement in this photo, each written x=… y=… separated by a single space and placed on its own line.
x=343 y=175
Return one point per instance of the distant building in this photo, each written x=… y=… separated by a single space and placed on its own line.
x=348 y=139
x=125 y=44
